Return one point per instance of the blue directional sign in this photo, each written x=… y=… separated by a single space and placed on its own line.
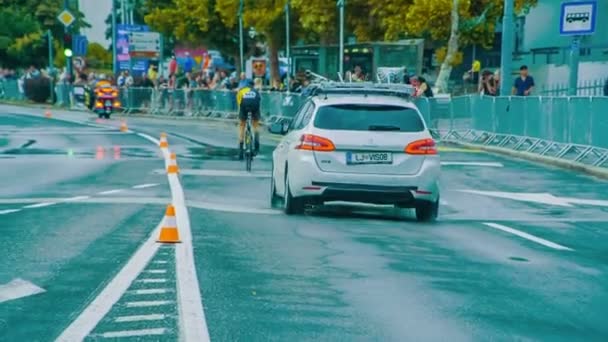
x=578 y=18
x=79 y=45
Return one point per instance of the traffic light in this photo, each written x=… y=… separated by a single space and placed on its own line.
x=67 y=52
x=67 y=40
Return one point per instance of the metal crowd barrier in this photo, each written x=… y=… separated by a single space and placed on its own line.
x=572 y=128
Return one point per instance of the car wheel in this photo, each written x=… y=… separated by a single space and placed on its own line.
x=427 y=211
x=275 y=200
x=292 y=205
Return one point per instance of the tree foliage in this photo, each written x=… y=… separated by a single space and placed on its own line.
x=23 y=27
x=478 y=19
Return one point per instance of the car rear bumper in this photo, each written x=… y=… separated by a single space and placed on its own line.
x=306 y=180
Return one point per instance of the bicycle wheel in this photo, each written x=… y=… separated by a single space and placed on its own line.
x=248 y=150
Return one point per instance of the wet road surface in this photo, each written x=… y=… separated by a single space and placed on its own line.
x=517 y=254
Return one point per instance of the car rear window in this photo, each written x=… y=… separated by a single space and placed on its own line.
x=359 y=117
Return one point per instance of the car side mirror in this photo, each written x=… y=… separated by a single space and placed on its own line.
x=279 y=128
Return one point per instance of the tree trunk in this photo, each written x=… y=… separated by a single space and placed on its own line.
x=446 y=66
x=273 y=56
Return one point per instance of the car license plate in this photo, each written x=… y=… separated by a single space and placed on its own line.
x=108 y=103
x=369 y=158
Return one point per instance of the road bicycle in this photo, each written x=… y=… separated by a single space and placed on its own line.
x=248 y=147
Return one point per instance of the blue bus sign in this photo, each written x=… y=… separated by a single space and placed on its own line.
x=578 y=18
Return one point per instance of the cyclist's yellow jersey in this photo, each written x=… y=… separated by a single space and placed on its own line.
x=240 y=94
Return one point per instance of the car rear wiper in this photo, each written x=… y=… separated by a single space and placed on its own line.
x=383 y=128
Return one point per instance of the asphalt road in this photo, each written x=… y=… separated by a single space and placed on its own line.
x=517 y=254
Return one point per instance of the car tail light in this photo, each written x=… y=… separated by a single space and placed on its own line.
x=116 y=104
x=424 y=146
x=98 y=104
x=114 y=93
x=311 y=142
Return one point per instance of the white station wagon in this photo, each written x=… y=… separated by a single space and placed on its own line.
x=357 y=143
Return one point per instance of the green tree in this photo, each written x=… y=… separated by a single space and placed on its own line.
x=98 y=56
x=23 y=26
x=471 y=22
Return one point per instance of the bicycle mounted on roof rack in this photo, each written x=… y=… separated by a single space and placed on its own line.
x=361 y=88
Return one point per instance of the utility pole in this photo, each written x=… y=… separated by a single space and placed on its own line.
x=341 y=4
x=507 y=50
x=68 y=60
x=131 y=7
x=241 y=47
x=114 y=61
x=123 y=11
x=49 y=35
x=287 y=47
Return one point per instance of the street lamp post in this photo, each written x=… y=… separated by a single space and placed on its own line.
x=241 y=47
x=114 y=62
x=287 y=43
x=341 y=4
x=507 y=49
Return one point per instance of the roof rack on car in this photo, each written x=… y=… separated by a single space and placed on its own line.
x=363 y=88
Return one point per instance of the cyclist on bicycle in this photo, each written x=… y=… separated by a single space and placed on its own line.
x=248 y=100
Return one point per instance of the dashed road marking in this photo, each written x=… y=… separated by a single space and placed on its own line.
x=152 y=280
x=527 y=236
x=150 y=291
x=39 y=205
x=134 y=333
x=77 y=198
x=222 y=173
x=160 y=262
x=486 y=164
x=88 y=319
x=110 y=192
x=156 y=271
x=148 y=303
x=139 y=318
x=9 y=211
x=144 y=186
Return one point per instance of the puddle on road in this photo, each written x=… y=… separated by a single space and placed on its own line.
x=520 y=259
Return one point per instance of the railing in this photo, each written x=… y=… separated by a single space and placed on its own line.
x=585 y=88
x=572 y=128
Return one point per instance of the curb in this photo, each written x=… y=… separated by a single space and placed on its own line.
x=599 y=172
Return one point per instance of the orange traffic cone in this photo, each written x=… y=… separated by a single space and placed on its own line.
x=123 y=127
x=47 y=114
x=168 y=232
x=163 y=141
x=173 y=168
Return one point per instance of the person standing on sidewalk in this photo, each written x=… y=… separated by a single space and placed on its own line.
x=524 y=84
x=606 y=88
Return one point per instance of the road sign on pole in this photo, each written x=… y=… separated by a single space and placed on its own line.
x=144 y=44
x=79 y=45
x=66 y=18
x=578 y=18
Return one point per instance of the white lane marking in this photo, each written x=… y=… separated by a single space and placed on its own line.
x=487 y=164
x=151 y=281
x=148 y=303
x=138 y=318
x=77 y=198
x=581 y=201
x=527 y=236
x=232 y=208
x=149 y=291
x=543 y=198
x=160 y=262
x=18 y=288
x=109 y=192
x=191 y=314
x=88 y=319
x=221 y=173
x=134 y=333
x=144 y=186
x=156 y=271
x=9 y=211
x=39 y=205
x=442 y=202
